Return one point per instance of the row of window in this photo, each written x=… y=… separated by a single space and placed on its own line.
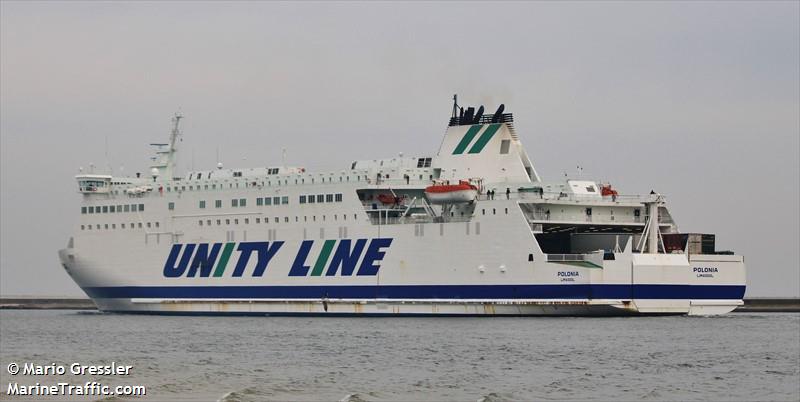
x=246 y=221
x=121 y=226
x=320 y=198
x=105 y=209
x=213 y=186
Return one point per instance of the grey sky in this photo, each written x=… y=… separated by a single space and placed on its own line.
x=699 y=101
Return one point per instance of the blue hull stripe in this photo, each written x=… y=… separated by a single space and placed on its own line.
x=425 y=292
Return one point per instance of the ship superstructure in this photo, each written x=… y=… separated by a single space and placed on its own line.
x=471 y=230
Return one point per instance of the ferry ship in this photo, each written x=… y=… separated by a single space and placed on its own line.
x=470 y=230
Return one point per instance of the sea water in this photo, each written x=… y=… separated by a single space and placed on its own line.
x=739 y=356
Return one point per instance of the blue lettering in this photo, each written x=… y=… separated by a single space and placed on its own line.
x=344 y=257
x=204 y=260
x=264 y=257
x=373 y=255
x=298 y=266
x=172 y=271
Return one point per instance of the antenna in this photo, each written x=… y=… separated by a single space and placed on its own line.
x=455 y=105
x=283 y=157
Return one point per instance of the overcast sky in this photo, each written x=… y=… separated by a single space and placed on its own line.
x=699 y=101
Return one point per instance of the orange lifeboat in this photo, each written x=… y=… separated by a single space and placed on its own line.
x=445 y=193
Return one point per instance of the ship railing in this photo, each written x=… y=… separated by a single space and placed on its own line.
x=553 y=196
x=484 y=119
x=406 y=220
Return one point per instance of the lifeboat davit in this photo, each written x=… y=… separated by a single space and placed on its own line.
x=451 y=193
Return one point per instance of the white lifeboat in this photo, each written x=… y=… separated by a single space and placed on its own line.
x=444 y=193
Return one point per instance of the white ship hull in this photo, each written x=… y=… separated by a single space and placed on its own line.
x=283 y=241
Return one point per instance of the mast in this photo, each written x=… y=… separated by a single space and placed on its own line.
x=165 y=160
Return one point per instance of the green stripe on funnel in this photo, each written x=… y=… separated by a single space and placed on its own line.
x=467 y=139
x=484 y=139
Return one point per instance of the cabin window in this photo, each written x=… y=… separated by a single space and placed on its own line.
x=320 y=197
x=208 y=222
x=277 y=220
x=506 y=211
x=105 y=209
x=234 y=202
x=276 y=200
x=127 y=208
x=338 y=197
x=494 y=211
x=302 y=199
x=246 y=221
x=258 y=220
x=227 y=221
x=267 y=201
x=82 y=227
x=171 y=206
x=285 y=199
x=259 y=201
x=217 y=203
x=122 y=225
x=286 y=219
x=141 y=207
x=200 y=222
x=202 y=204
x=236 y=221
x=311 y=199
x=219 y=222
x=504 y=145
x=148 y=225
x=328 y=197
x=157 y=224
x=242 y=202
x=112 y=209
x=83 y=210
